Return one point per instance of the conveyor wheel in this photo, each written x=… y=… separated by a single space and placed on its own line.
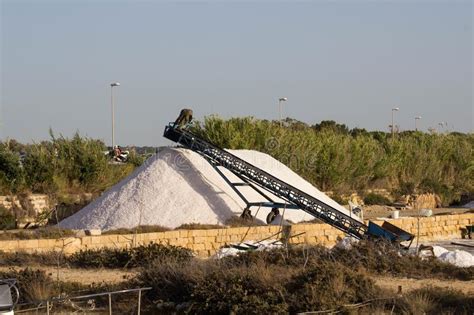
x=272 y=215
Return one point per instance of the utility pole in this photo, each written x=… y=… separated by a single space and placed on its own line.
x=113 y=110
x=416 y=120
x=281 y=99
x=395 y=109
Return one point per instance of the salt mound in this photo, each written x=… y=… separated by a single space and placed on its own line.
x=346 y=242
x=469 y=205
x=178 y=186
x=458 y=258
x=239 y=248
x=438 y=250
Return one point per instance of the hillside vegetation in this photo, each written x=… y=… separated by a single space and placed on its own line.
x=332 y=157
x=59 y=166
x=328 y=155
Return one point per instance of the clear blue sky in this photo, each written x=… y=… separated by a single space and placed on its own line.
x=349 y=61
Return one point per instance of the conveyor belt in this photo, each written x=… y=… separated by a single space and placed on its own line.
x=279 y=188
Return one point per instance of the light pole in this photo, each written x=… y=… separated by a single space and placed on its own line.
x=281 y=99
x=395 y=109
x=441 y=125
x=416 y=120
x=113 y=111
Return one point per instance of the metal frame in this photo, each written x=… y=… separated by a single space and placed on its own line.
x=246 y=183
x=262 y=179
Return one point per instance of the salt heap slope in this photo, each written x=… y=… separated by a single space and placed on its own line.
x=178 y=186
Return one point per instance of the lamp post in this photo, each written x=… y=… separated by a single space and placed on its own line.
x=441 y=125
x=281 y=99
x=416 y=120
x=395 y=109
x=112 y=85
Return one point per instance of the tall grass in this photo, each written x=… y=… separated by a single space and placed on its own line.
x=334 y=158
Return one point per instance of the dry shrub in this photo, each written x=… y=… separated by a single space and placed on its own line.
x=255 y=286
x=366 y=256
x=418 y=303
x=238 y=291
x=328 y=286
x=236 y=221
x=25 y=259
x=172 y=280
x=34 y=285
x=139 y=229
x=198 y=226
x=435 y=300
x=381 y=257
x=40 y=233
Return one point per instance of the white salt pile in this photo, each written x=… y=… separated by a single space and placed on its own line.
x=458 y=258
x=178 y=186
x=455 y=257
x=469 y=205
x=438 y=251
x=236 y=249
x=346 y=242
x=279 y=220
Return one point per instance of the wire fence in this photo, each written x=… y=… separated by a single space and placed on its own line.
x=76 y=303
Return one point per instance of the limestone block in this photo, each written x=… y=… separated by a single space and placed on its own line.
x=28 y=244
x=173 y=234
x=212 y=232
x=196 y=233
x=198 y=247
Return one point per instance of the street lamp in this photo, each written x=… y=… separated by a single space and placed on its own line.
x=281 y=99
x=442 y=124
x=416 y=120
x=395 y=109
x=113 y=112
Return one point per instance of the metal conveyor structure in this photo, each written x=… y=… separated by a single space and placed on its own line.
x=296 y=198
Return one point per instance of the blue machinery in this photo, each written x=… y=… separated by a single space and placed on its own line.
x=296 y=199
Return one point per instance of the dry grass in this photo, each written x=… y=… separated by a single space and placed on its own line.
x=198 y=226
x=139 y=229
x=40 y=233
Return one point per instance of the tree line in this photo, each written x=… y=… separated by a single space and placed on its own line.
x=333 y=157
x=329 y=155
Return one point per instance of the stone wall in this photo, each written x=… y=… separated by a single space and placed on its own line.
x=205 y=242
x=37 y=203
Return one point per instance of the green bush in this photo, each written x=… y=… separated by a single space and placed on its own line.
x=39 y=167
x=7 y=219
x=11 y=173
x=376 y=199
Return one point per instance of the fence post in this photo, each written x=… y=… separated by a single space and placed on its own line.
x=47 y=307
x=139 y=301
x=110 y=304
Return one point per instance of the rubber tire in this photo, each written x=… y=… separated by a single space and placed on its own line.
x=271 y=216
